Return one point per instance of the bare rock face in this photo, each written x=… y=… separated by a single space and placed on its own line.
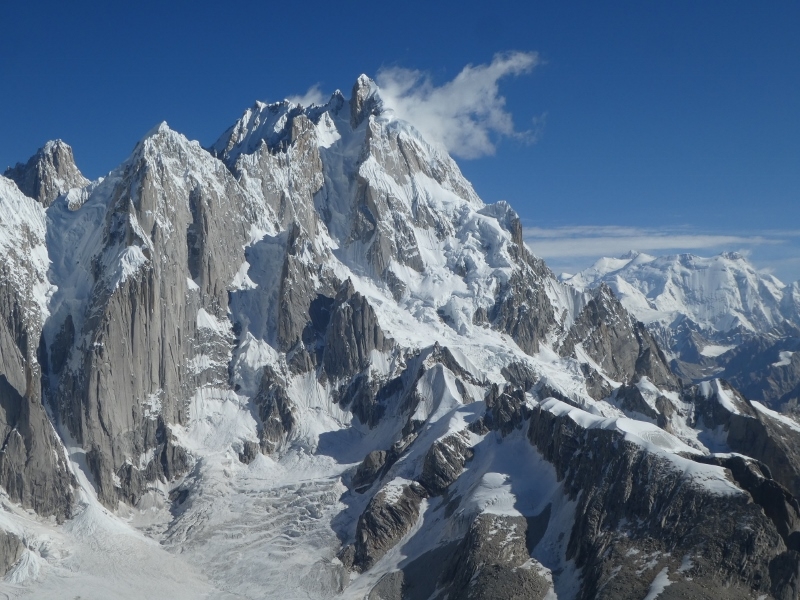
x=523 y=311
x=659 y=409
x=353 y=333
x=157 y=277
x=444 y=462
x=520 y=375
x=33 y=466
x=368 y=470
x=522 y=308
x=493 y=561
x=304 y=307
x=48 y=173
x=631 y=501
x=489 y=560
x=363 y=101
x=11 y=549
x=287 y=174
x=622 y=347
x=778 y=504
x=275 y=411
x=294 y=158
x=391 y=513
x=766 y=369
x=754 y=433
x=505 y=409
x=369 y=398
x=389 y=587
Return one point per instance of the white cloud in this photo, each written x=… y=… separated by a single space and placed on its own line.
x=466 y=115
x=314 y=95
x=574 y=248
x=597 y=241
x=613 y=240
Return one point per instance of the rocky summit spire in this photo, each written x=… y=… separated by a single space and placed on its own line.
x=48 y=173
x=364 y=101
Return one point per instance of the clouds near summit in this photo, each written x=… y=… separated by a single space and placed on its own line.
x=467 y=115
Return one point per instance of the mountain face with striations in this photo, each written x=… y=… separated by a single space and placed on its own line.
x=309 y=361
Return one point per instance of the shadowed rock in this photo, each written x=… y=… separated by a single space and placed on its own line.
x=353 y=333
x=629 y=500
x=33 y=465
x=751 y=432
x=444 y=462
x=275 y=410
x=11 y=549
x=391 y=513
x=493 y=562
x=621 y=346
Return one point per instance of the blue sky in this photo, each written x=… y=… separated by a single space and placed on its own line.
x=661 y=126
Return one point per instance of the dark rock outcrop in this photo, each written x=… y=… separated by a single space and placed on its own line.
x=444 y=462
x=493 y=561
x=11 y=549
x=33 y=465
x=353 y=333
x=369 y=469
x=630 y=399
x=505 y=409
x=274 y=410
x=520 y=375
x=755 y=478
x=621 y=346
x=391 y=513
x=766 y=369
x=523 y=310
x=750 y=432
x=630 y=500
x=369 y=398
x=363 y=101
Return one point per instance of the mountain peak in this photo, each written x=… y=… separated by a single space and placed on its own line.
x=48 y=173
x=719 y=294
x=162 y=127
x=364 y=100
x=734 y=256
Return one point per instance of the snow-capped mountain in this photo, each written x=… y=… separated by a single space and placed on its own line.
x=310 y=361
x=722 y=295
x=713 y=316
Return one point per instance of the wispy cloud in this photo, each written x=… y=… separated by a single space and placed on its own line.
x=314 y=95
x=611 y=241
x=572 y=248
x=467 y=115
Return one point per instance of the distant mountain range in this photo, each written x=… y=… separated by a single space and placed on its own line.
x=715 y=316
